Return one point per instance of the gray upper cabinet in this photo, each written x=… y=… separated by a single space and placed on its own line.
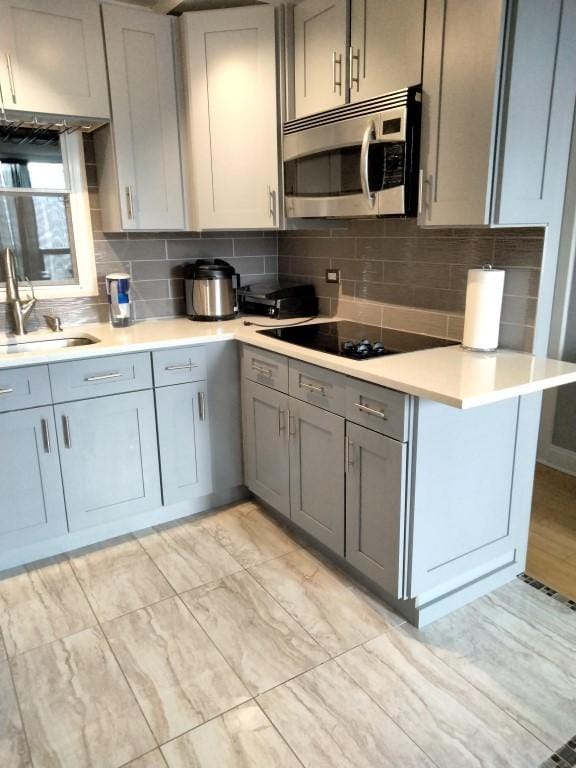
x=52 y=58
x=32 y=497
x=320 y=45
x=139 y=153
x=498 y=96
x=385 y=51
x=317 y=473
x=266 y=456
x=375 y=507
x=109 y=458
x=184 y=441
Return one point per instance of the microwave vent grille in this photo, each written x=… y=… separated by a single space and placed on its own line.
x=388 y=101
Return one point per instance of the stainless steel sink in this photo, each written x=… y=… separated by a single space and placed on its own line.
x=39 y=345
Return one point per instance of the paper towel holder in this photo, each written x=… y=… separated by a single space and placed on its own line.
x=490 y=347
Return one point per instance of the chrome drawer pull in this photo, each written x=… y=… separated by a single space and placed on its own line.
x=45 y=436
x=7 y=391
x=371 y=411
x=104 y=377
x=66 y=429
x=313 y=387
x=262 y=371
x=181 y=366
x=202 y=406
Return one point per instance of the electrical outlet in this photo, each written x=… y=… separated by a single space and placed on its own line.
x=333 y=276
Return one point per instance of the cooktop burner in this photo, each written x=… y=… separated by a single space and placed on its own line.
x=355 y=340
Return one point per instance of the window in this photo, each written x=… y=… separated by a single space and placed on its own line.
x=44 y=210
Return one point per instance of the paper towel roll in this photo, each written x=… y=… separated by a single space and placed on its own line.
x=484 y=294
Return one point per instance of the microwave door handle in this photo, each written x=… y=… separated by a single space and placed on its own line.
x=369 y=134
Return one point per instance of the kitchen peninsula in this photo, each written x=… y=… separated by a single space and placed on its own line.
x=406 y=468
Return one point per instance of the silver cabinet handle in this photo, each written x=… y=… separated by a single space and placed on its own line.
x=369 y=134
x=312 y=387
x=129 y=202
x=45 y=435
x=291 y=424
x=371 y=411
x=420 y=190
x=354 y=57
x=202 y=406
x=336 y=61
x=11 y=77
x=348 y=445
x=261 y=370
x=66 y=430
x=7 y=391
x=181 y=366
x=281 y=421
x=104 y=377
x=272 y=204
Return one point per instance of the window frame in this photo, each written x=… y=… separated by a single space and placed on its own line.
x=75 y=172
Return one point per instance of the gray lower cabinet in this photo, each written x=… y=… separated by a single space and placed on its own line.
x=184 y=441
x=317 y=473
x=375 y=506
x=109 y=457
x=266 y=455
x=32 y=506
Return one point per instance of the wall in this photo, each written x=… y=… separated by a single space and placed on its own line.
x=395 y=274
x=154 y=260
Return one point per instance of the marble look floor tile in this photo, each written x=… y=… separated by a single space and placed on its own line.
x=187 y=554
x=76 y=705
x=178 y=676
x=241 y=738
x=320 y=599
x=329 y=721
x=518 y=647
x=13 y=746
x=446 y=716
x=3 y=654
x=118 y=577
x=262 y=642
x=153 y=759
x=41 y=603
x=249 y=535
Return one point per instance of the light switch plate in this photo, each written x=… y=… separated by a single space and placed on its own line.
x=333 y=276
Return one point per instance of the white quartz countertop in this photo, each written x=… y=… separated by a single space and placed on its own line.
x=447 y=375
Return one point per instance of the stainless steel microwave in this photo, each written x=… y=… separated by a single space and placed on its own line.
x=355 y=161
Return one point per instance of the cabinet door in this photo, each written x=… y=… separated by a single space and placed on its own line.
x=230 y=69
x=184 y=440
x=320 y=45
x=52 y=57
x=462 y=63
x=375 y=507
x=32 y=505
x=145 y=118
x=317 y=473
x=386 y=46
x=109 y=458
x=266 y=457
x=535 y=130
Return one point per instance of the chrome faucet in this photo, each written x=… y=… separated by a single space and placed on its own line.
x=20 y=308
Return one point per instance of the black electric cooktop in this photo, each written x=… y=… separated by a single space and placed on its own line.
x=355 y=340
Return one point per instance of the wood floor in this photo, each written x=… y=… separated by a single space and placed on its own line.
x=223 y=642
x=552 y=543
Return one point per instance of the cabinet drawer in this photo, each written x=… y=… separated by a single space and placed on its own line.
x=179 y=366
x=317 y=386
x=79 y=379
x=383 y=410
x=24 y=388
x=266 y=368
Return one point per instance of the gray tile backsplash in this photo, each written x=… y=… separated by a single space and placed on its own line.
x=395 y=274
